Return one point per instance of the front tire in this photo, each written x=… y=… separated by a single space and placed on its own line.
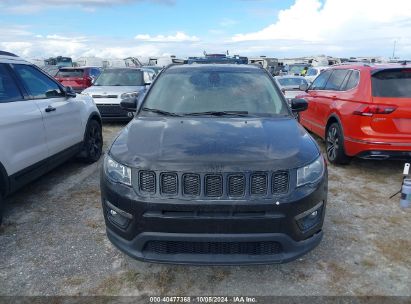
x=93 y=142
x=334 y=144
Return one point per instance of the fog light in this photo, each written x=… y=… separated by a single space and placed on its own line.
x=313 y=214
x=117 y=216
x=310 y=218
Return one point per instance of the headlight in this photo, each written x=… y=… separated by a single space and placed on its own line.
x=129 y=95
x=311 y=173
x=117 y=172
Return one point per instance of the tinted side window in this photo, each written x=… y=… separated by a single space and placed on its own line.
x=336 y=79
x=320 y=81
x=37 y=83
x=94 y=72
x=8 y=87
x=353 y=80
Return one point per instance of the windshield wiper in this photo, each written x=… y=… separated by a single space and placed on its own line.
x=161 y=112
x=218 y=113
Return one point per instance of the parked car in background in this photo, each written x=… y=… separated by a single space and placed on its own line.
x=52 y=70
x=214 y=169
x=313 y=72
x=155 y=68
x=42 y=124
x=116 y=84
x=290 y=85
x=78 y=78
x=362 y=111
x=296 y=68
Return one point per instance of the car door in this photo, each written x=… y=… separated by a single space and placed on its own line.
x=329 y=98
x=22 y=132
x=308 y=118
x=61 y=115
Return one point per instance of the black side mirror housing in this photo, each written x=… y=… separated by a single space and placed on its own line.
x=303 y=87
x=129 y=104
x=70 y=92
x=298 y=104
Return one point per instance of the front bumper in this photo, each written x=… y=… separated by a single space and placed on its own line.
x=216 y=232
x=113 y=112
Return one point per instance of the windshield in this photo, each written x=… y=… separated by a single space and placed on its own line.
x=311 y=72
x=392 y=83
x=70 y=73
x=291 y=81
x=296 y=69
x=120 y=77
x=207 y=90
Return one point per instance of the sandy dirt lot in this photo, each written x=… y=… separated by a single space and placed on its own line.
x=53 y=242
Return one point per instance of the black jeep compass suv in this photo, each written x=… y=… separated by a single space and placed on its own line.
x=214 y=169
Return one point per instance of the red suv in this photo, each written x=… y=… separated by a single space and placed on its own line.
x=78 y=78
x=362 y=111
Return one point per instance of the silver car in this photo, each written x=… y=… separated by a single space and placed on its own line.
x=116 y=84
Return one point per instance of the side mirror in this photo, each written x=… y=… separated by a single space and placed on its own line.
x=303 y=87
x=70 y=92
x=129 y=104
x=298 y=105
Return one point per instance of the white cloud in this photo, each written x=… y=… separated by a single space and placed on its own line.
x=178 y=37
x=337 y=26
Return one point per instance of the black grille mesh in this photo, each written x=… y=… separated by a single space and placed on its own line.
x=236 y=185
x=279 y=182
x=259 y=184
x=182 y=247
x=192 y=184
x=169 y=183
x=148 y=181
x=213 y=185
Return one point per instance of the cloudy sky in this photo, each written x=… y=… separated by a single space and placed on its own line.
x=279 y=28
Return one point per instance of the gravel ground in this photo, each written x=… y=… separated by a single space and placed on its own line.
x=53 y=243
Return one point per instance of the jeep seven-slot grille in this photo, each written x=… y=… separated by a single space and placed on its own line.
x=147 y=181
x=234 y=185
x=279 y=182
x=213 y=185
x=259 y=184
x=186 y=247
x=169 y=183
x=191 y=184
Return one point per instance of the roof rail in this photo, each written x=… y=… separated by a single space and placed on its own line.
x=8 y=54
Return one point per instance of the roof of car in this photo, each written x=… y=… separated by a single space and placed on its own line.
x=80 y=67
x=10 y=58
x=370 y=67
x=215 y=67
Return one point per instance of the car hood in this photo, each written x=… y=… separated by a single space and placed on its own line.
x=112 y=90
x=214 y=144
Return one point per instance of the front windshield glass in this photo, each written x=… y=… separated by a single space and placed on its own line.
x=291 y=81
x=312 y=72
x=195 y=90
x=120 y=77
x=296 y=69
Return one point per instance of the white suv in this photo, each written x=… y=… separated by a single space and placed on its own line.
x=42 y=124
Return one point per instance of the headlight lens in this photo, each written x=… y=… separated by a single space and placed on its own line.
x=311 y=173
x=129 y=95
x=117 y=172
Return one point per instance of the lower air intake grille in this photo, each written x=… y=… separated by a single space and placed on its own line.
x=181 y=247
x=280 y=182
